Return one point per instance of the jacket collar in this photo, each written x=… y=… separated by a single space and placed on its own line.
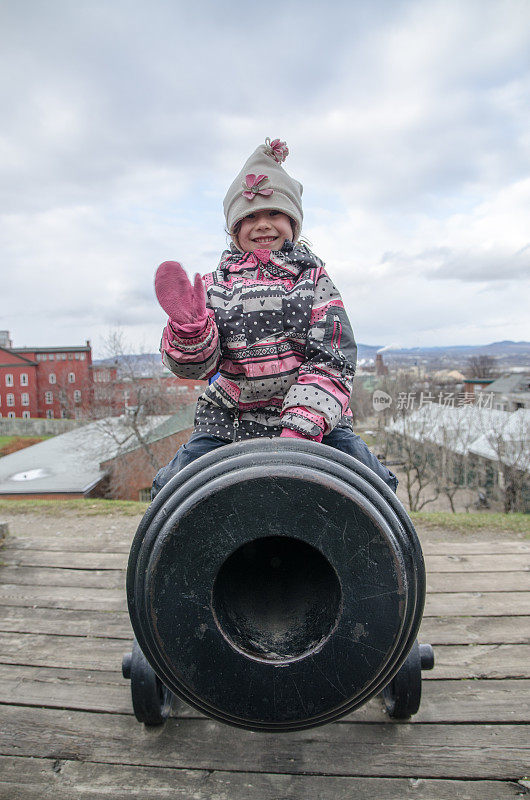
x=288 y=262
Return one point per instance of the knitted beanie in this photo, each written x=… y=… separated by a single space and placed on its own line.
x=264 y=184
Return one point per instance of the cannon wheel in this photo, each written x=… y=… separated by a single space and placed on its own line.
x=402 y=695
x=150 y=698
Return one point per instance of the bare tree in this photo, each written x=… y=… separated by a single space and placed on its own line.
x=481 y=367
x=506 y=444
x=361 y=402
x=409 y=440
x=137 y=387
x=454 y=435
x=404 y=434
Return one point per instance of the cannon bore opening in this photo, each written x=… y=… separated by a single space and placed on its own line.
x=277 y=598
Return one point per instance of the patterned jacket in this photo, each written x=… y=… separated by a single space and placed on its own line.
x=280 y=338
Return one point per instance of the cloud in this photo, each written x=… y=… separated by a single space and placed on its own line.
x=406 y=123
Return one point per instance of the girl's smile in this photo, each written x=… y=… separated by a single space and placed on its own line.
x=267 y=228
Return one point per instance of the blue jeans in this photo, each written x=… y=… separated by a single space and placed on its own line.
x=201 y=443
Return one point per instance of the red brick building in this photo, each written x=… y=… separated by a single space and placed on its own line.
x=51 y=382
x=62 y=382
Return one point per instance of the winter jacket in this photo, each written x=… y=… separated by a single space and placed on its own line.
x=280 y=338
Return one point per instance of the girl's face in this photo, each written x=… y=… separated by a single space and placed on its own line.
x=265 y=229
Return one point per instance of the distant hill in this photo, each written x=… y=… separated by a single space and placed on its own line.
x=505 y=351
x=495 y=349
x=473 y=349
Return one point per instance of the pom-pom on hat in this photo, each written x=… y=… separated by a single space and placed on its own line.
x=264 y=184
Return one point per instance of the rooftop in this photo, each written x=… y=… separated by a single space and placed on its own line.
x=70 y=462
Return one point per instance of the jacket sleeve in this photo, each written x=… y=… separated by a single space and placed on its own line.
x=197 y=357
x=315 y=404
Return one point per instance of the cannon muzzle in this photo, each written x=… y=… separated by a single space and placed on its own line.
x=275 y=584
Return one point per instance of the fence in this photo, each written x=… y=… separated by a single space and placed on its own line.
x=38 y=427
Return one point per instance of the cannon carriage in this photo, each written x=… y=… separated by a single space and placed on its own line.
x=275 y=585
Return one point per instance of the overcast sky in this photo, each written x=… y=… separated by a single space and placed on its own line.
x=123 y=124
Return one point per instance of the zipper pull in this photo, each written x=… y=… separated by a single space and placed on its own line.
x=236 y=426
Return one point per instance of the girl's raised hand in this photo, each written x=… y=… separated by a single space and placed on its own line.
x=184 y=304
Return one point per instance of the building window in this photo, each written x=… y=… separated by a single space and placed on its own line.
x=52 y=377
x=43 y=356
x=10 y=399
x=49 y=413
x=11 y=414
x=71 y=377
x=182 y=389
x=81 y=356
x=25 y=415
x=63 y=356
x=77 y=356
x=48 y=396
x=25 y=398
x=77 y=396
x=70 y=356
x=24 y=379
x=9 y=379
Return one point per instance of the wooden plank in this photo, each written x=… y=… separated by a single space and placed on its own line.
x=62 y=651
x=51 y=558
x=452 y=661
x=50 y=576
x=70 y=543
x=371 y=749
x=445 y=701
x=115 y=579
x=13 y=556
x=109 y=624
x=103 y=691
x=120 y=541
x=62 y=597
x=118 y=561
x=477 y=581
x=438 y=603
x=475 y=630
x=476 y=604
x=507 y=562
x=116 y=625
x=53 y=687
x=451 y=546
x=35 y=778
x=481 y=661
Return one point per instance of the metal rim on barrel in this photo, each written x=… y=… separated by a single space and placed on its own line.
x=238 y=462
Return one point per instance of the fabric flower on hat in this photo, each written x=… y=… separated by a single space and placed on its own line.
x=252 y=186
x=280 y=151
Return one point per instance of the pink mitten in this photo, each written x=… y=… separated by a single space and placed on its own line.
x=287 y=433
x=184 y=304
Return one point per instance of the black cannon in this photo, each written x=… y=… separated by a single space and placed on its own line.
x=275 y=585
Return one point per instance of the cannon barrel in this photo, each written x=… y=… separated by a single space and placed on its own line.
x=275 y=584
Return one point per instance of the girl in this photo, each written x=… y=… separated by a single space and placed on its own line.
x=270 y=321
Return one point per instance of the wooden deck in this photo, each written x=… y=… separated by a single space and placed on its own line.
x=68 y=731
